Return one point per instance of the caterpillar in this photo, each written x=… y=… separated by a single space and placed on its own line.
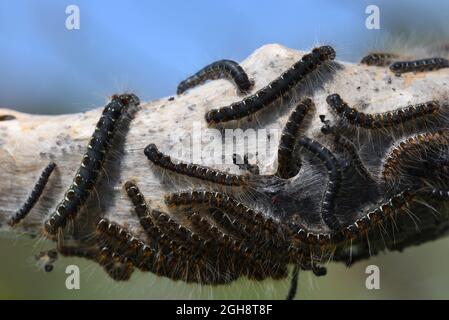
x=7 y=117
x=232 y=207
x=157 y=224
x=275 y=89
x=140 y=254
x=375 y=217
x=219 y=69
x=293 y=283
x=88 y=173
x=287 y=166
x=356 y=161
x=370 y=218
x=145 y=215
x=137 y=198
x=334 y=181
x=193 y=170
x=347 y=145
x=404 y=156
x=34 y=195
x=379 y=59
x=422 y=65
x=119 y=267
x=439 y=194
x=233 y=227
x=381 y=120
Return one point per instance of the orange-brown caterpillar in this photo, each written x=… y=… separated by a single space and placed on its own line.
x=246 y=216
x=381 y=120
x=334 y=181
x=275 y=89
x=355 y=159
x=379 y=59
x=403 y=161
x=7 y=117
x=193 y=170
x=219 y=69
x=288 y=166
x=34 y=196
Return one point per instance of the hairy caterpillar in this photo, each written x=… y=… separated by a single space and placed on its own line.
x=232 y=207
x=380 y=59
x=333 y=184
x=381 y=120
x=287 y=166
x=34 y=196
x=88 y=173
x=193 y=170
x=275 y=89
x=7 y=117
x=222 y=68
x=403 y=158
x=422 y=65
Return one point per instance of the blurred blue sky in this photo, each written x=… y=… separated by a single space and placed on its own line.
x=149 y=46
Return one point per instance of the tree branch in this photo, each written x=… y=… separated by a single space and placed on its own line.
x=29 y=142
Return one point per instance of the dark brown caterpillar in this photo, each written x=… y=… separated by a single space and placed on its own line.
x=287 y=166
x=178 y=263
x=381 y=120
x=233 y=227
x=7 y=117
x=356 y=161
x=193 y=170
x=159 y=241
x=397 y=204
x=246 y=216
x=334 y=181
x=421 y=65
x=368 y=220
x=293 y=283
x=347 y=145
x=158 y=224
x=380 y=59
x=119 y=239
x=219 y=69
x=34 y=196
x=88 y=173
x=275 y=89
x=119 y=267
x=404 y=156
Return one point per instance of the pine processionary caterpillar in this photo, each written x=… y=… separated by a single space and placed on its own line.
x=408 y=151
x=356 y=161
x=381 y=120
x=379 y=59
x=334 y=181
x=7 y=117
x=193 y=170
x=219 y=69
x=251 y=219
x=287 y=166
x=34 y=196
x=275 y=89
x=88 y=173
x=422 y=65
